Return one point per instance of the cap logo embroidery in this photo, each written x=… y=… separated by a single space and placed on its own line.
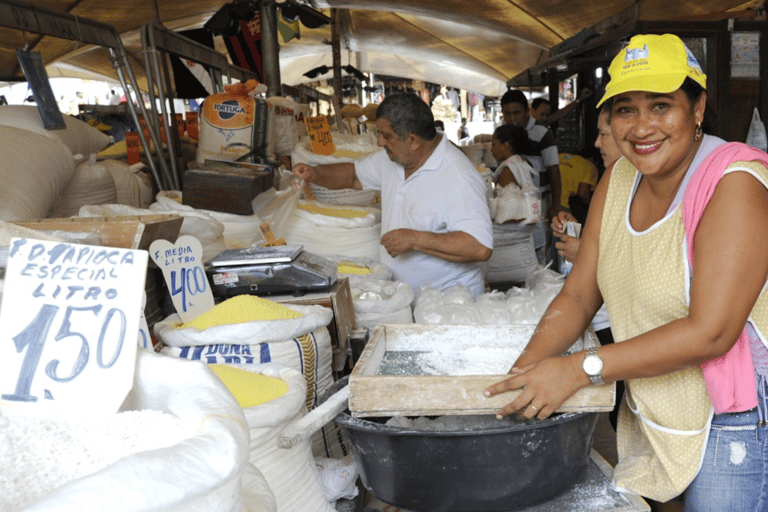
x=637 y=53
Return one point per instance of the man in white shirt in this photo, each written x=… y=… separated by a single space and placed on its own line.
x=436 y=226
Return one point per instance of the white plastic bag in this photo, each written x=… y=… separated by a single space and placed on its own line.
x=199 y=474
x=756 y=137
x=338 y=477
x=381 y=302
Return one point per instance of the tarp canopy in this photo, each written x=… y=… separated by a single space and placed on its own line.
x=477 y=45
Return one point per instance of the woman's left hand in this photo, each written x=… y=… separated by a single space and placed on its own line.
x=546 y=385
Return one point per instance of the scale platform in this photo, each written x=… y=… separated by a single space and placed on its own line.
x=269 y=270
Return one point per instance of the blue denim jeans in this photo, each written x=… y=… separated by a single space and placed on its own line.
x=734 y=472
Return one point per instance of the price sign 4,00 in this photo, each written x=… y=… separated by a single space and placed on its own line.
x=68 y=326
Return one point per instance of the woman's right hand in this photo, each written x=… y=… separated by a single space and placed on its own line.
x=558 y=222
x=568 y=246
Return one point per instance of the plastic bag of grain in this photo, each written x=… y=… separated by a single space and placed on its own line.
x=381 y=302
x=300 y=342
x=91 y=184
x=201 y=473
x=35 y=169
x=329 y=229
x=79 y=137
x=359 y=269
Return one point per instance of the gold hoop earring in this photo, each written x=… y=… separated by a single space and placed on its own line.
x=699 y=132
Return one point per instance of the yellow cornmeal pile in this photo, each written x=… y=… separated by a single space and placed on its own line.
x=332 y=212
x=241 y=309
x=348 y=267
x=249 y=389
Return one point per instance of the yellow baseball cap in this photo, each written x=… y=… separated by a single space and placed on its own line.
x=653 y=63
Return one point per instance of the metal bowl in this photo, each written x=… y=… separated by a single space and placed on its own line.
x=496 y=466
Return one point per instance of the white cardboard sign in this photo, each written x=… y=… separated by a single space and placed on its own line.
x=182 y=266
x=68 y=327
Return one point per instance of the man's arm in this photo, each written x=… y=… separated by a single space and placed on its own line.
x=333 y=176
x=456 y=246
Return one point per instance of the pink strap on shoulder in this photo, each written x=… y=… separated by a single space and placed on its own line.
x=730 y=378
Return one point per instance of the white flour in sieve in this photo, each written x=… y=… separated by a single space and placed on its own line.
x=37 y=456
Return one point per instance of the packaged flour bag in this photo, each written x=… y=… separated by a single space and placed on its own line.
x=236 y=125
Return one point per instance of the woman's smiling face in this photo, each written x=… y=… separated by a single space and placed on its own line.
x=656 y=131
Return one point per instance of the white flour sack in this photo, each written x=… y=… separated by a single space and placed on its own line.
x=289 y=472
x=34 y=170
x=81 y=138
x=201 y=472
x=328 y=229
x=91 y=184
x=284 y=128
x=234 y=125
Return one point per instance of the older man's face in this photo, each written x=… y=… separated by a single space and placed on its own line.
x=398 y=150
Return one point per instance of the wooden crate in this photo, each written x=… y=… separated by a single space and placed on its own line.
x=227 y=189
x=339 y=299
x=128 y=232
x=414 y=392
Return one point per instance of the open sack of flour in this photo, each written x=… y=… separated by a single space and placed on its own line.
x=250 y=330
x=331 y=229
x=199 y=467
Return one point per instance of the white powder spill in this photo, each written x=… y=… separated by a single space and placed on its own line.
x=40 y=455
x=738 y=452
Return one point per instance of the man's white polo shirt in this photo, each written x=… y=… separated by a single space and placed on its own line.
x=445 y=194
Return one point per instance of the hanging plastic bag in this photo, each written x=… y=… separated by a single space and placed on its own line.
x=756 y=136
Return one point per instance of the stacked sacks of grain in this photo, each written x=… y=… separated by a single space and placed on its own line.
x=251 y=330
x=194 y=460
x=79 y=137
x=273 y=397
x=91 y=184
x=35 y=169
x=328 y=229
x=348 y=148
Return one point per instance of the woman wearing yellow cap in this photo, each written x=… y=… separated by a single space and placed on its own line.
x=676 y=245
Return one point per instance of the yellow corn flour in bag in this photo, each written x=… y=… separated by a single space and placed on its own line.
x=333 y=212
x=348 y=267
x=249 y=389
x=241 y=309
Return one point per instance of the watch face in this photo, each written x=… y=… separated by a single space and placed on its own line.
x=593 y=365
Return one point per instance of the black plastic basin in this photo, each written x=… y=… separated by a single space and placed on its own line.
x=501 y=466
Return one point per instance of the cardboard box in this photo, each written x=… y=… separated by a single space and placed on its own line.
x=414 y=392
x=128 y=232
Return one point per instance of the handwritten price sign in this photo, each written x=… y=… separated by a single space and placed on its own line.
x=184 y=274
x=320 y=135
x=68 y=327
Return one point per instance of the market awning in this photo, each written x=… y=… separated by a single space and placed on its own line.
x=476 y=45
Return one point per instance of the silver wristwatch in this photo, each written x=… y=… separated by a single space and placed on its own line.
x=593 y=366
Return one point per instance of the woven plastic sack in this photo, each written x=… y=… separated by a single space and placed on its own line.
x=80 y=137
x=132 y=184
x=35 y=169
x=326 y=235
x=91 y=184
x=199 y=474
x=289 y=472
x=284 y=126
x=514 y=255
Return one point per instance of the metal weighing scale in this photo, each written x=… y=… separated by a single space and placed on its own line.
x=269 y=270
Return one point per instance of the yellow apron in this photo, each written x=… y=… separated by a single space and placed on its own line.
x=664 y=422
